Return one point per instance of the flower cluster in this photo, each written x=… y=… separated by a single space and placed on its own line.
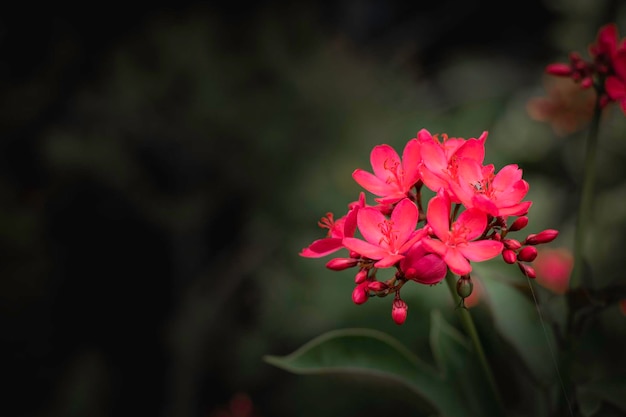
x=466 y=220
x=606 y=71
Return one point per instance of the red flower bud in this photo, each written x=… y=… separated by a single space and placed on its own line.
x=527 y=254
x=399 y=310
x=359 y=294
x=545 y=236
x=512 y=244
x=360 y=276
x=527 y=270
x=519 y=224
x=339 y=264
x=559 y=69
x=509 y=256
x=377 y=286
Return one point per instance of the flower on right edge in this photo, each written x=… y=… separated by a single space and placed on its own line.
x=606 y=71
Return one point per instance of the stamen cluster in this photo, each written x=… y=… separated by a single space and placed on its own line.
x=468 y=219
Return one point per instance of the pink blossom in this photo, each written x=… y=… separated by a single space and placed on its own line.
x=393 y=177
x=439 y=158
x=337 y=230
x=495 y=194
x=456 y=244
x=386 y=240
x=615 y=85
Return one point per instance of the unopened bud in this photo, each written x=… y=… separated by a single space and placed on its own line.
x=354 y=254
x=509 y=256
x=527 y=254
x=399 y=310
x=545 y=236
x=359 y=294
x=464 y=286
x=527 y=270
x=586 y=82
x=512 y=244
x=377 y=286
x=559 y=69
x=360 y=276
x=519 y=224
x=339 y=264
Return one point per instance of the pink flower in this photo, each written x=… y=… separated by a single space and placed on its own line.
x=439 y=158
x=386 y=240
x=615 y=85
x=495 y=194
x=393 y=178
x=337 y=230
x=456 y=244
x=567 y=107
x=553 y=268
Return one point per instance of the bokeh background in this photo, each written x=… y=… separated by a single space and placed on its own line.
x=161 y=168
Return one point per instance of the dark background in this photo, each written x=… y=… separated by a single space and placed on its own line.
x=161 y=167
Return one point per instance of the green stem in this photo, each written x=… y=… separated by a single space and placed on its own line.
x=470 y=328
x=586 y=199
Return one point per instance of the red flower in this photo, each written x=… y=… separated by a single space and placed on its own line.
x=337 y=230
x=387 y=240
x=495 y=194
x=393 y=177
x=567 y=107
x=440 y=158
x=607 y=71
x=456 y=244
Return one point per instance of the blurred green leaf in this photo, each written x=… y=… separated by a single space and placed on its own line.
x=517 y=320
x=452 y=388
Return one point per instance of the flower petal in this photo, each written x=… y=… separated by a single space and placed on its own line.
x=382 y=158
x=411 y=159
x=388 y=261
x=364 y=248
x=457 y=262
x=371 y=183
x=481 y=250
x=369 y=220
x=438 y=216
x=404 y=218
x=322 y=247
x=473 y=221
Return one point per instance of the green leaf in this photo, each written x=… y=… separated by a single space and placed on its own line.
x=372 y=353
x=517 y=320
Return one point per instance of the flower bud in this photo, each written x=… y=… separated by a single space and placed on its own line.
x=339 y=264
x=527 y=254
x=399 y=310
x=360 y=276
x=359 y=294
x=377 y=286
x=559 y=69
x=512 y=244
x=527 y=270
x=464 y=286
x=519 y=224
x=545 y=236
x=509 y=256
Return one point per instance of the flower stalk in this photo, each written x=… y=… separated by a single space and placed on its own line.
x=468 y=324
x=586 y=199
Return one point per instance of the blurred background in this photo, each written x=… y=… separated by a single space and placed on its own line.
x=161 y=168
